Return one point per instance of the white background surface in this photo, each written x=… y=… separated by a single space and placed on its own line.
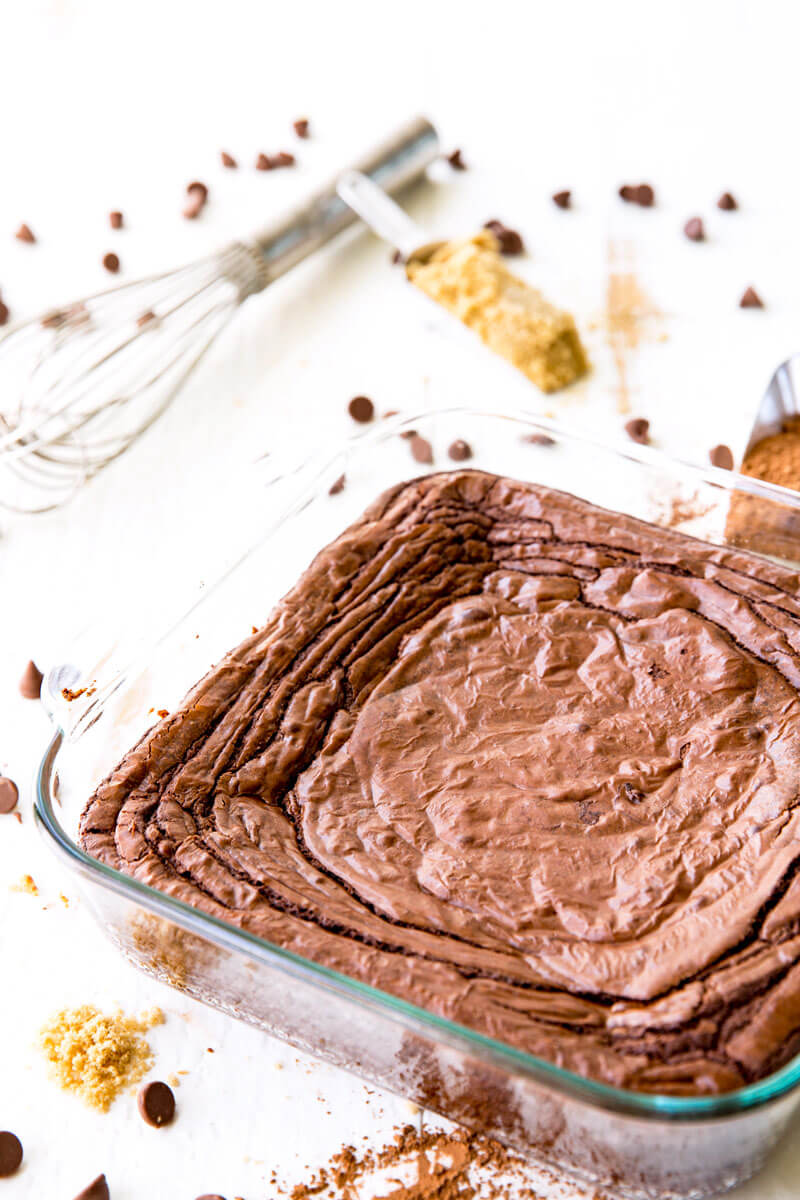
x=118 y=106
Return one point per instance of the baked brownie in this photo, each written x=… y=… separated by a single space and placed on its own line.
x=527 y=763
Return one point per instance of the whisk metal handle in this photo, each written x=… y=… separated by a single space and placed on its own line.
x=395 y=162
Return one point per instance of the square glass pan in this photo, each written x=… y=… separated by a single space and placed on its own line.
x=635 y=1144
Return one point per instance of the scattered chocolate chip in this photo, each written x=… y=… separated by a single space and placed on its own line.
x=539 y=439
x=638 y=430
x=721 y=456
x=751 y=299
x=227 y=159
x=197 y=195
x=97 y=1190
x=25 y=234
x=301 y=127
x=510 y=241
x=115 y=220
x=9 y=795
x=337 y=486
x=146 y=318
x=4 y=313
x=456 y=161
x=156 y=1102
x=727 y=202
x=283 y=159
x=562 y=199
x=460 y=450
x=111 y=262
x=640 y=193
x=10 y=1153
x=361 y=409
x=397 y=257
x=31 y=682
x=390 y=412
x=263 y=163
x=421 y=449
x=408 y=434
x=695 y=230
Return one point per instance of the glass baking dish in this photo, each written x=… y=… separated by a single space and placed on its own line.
x=639 y=1145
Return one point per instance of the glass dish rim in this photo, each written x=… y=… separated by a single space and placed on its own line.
x=308 y=473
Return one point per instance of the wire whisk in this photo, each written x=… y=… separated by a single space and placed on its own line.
x=81 y=383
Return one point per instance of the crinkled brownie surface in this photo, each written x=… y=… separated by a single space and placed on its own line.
x=526 y=763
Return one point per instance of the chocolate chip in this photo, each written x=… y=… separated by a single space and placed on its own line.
x=146 y=318
x=539 y=439
x=421 y=449
x=562 y=199
x=25 y=234
x=751 y=299
x=283 y=159
x=97 y=1190
x=111 y=262
x=9 y=794
x=510 y=241
x=638 y=430
x=4 y=313
x=157 y=1103
x=640 y=193
x=115 y=220
x=197 y=195
x=31 y=682
x=727 y=202
x=263 y=163
x=695 y=230
x=337 y=486
x=227 y=159
x=456 y=161
x=361 y=409
x=397 y=257
x=10 y=1153
x=197 y=188
x=721 y=456
x=460 y=451
x=301 y=127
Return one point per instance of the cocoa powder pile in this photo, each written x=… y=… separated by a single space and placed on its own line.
x=763 y=525
x=777 y=458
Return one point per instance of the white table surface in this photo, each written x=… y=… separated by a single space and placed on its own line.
x=118 y=106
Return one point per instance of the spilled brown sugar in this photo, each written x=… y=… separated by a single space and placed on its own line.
x=95 y=1055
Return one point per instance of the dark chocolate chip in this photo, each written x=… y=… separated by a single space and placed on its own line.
x=361 y=409
x=301 y=127
x=539 y=439
x=421 y=449
x=25 y=234
x=721 y=456
x=9 y=794
x=4 y=313
x=10 y=1153
x=197 y=194
x=111 y=262
x=638 y=430
x=283 y=159
x=456 y=161
x=695 y=230
x=197 y=188
x=751 y=299
x=562 y=199
x=97 y=1190
x=157 y=1103
x=227 y=159
x=397 y=257
x=146 y=318
x=460 y=450
x=115 y=220
x=727 y=202
x=408 y=434
x=31 y=682
x=510 y=241
x=640 y=193
x=337 y=486
x=263 y=163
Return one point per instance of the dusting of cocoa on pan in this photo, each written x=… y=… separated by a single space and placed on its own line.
x=627 y=313
x=424 y=1165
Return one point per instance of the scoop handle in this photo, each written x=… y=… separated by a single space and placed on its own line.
x=397 y=161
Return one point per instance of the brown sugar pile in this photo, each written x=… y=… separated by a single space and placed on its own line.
x=763 y=525
x=98 y=1056
x=424 y=1165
